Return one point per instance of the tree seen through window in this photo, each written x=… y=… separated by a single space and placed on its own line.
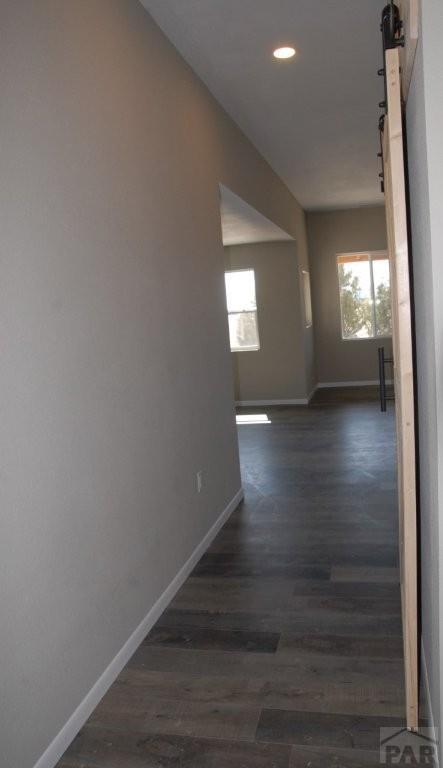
x=365 y=295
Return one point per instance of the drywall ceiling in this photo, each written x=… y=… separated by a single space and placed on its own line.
x=314 y=117
x=243 y=224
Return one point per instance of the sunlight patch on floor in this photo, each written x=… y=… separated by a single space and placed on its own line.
x=253 y=418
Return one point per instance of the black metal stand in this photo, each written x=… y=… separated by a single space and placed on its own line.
x=382 y=362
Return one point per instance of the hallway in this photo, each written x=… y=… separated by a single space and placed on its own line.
x=283 y=649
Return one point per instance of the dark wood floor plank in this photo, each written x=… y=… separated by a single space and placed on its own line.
x=205 y=639
x=341 y=645
x=307 y=514
x=225 y=721
x=323 y=730
x=145 y=685
x=377 y=606
x=338 y=520
x=101 y=748
x=233 y=566
x=298 y=535
x=320 y=622
x=323 y=696
x=372 y=575
x=276 y=595
x=234 y=594
x=348 y=589
x=313 y=694
x=176 y=717
x=314 y=757
x=360 y=554
x=299 y=670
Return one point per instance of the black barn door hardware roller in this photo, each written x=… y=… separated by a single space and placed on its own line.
x=391 y=30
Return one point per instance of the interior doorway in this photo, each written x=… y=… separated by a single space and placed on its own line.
x=268 y=306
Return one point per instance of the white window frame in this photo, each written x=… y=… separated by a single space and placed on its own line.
x=256 y=347
x=372 y=255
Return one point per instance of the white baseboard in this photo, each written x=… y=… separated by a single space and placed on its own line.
x=260 y=403
x=311 y=395
x=427 y=693
x=307 y=400
x=338 y=384
x=69 y=731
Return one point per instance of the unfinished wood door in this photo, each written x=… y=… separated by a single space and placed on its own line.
x=397 y=226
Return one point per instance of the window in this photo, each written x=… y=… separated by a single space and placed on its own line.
x=242 y=310
x=365 y=295
x=307 y=298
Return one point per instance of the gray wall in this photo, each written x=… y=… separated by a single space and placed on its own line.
x=331 y=233
x=114 y=341
x=425 y=153
x=277 y=370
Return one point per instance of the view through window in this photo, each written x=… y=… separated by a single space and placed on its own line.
x=365 y=295
x=242 y=310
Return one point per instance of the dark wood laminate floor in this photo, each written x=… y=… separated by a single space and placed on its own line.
x=283 y=649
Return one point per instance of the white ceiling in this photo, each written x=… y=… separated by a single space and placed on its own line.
x=314 y=117
x=243 y=224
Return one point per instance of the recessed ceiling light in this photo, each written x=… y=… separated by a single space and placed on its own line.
x=284 y=53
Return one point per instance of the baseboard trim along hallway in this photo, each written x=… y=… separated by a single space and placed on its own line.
x=259 y=403
x=63 y=739
x=307 y=400
x=339 y=384
x=428 y=700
